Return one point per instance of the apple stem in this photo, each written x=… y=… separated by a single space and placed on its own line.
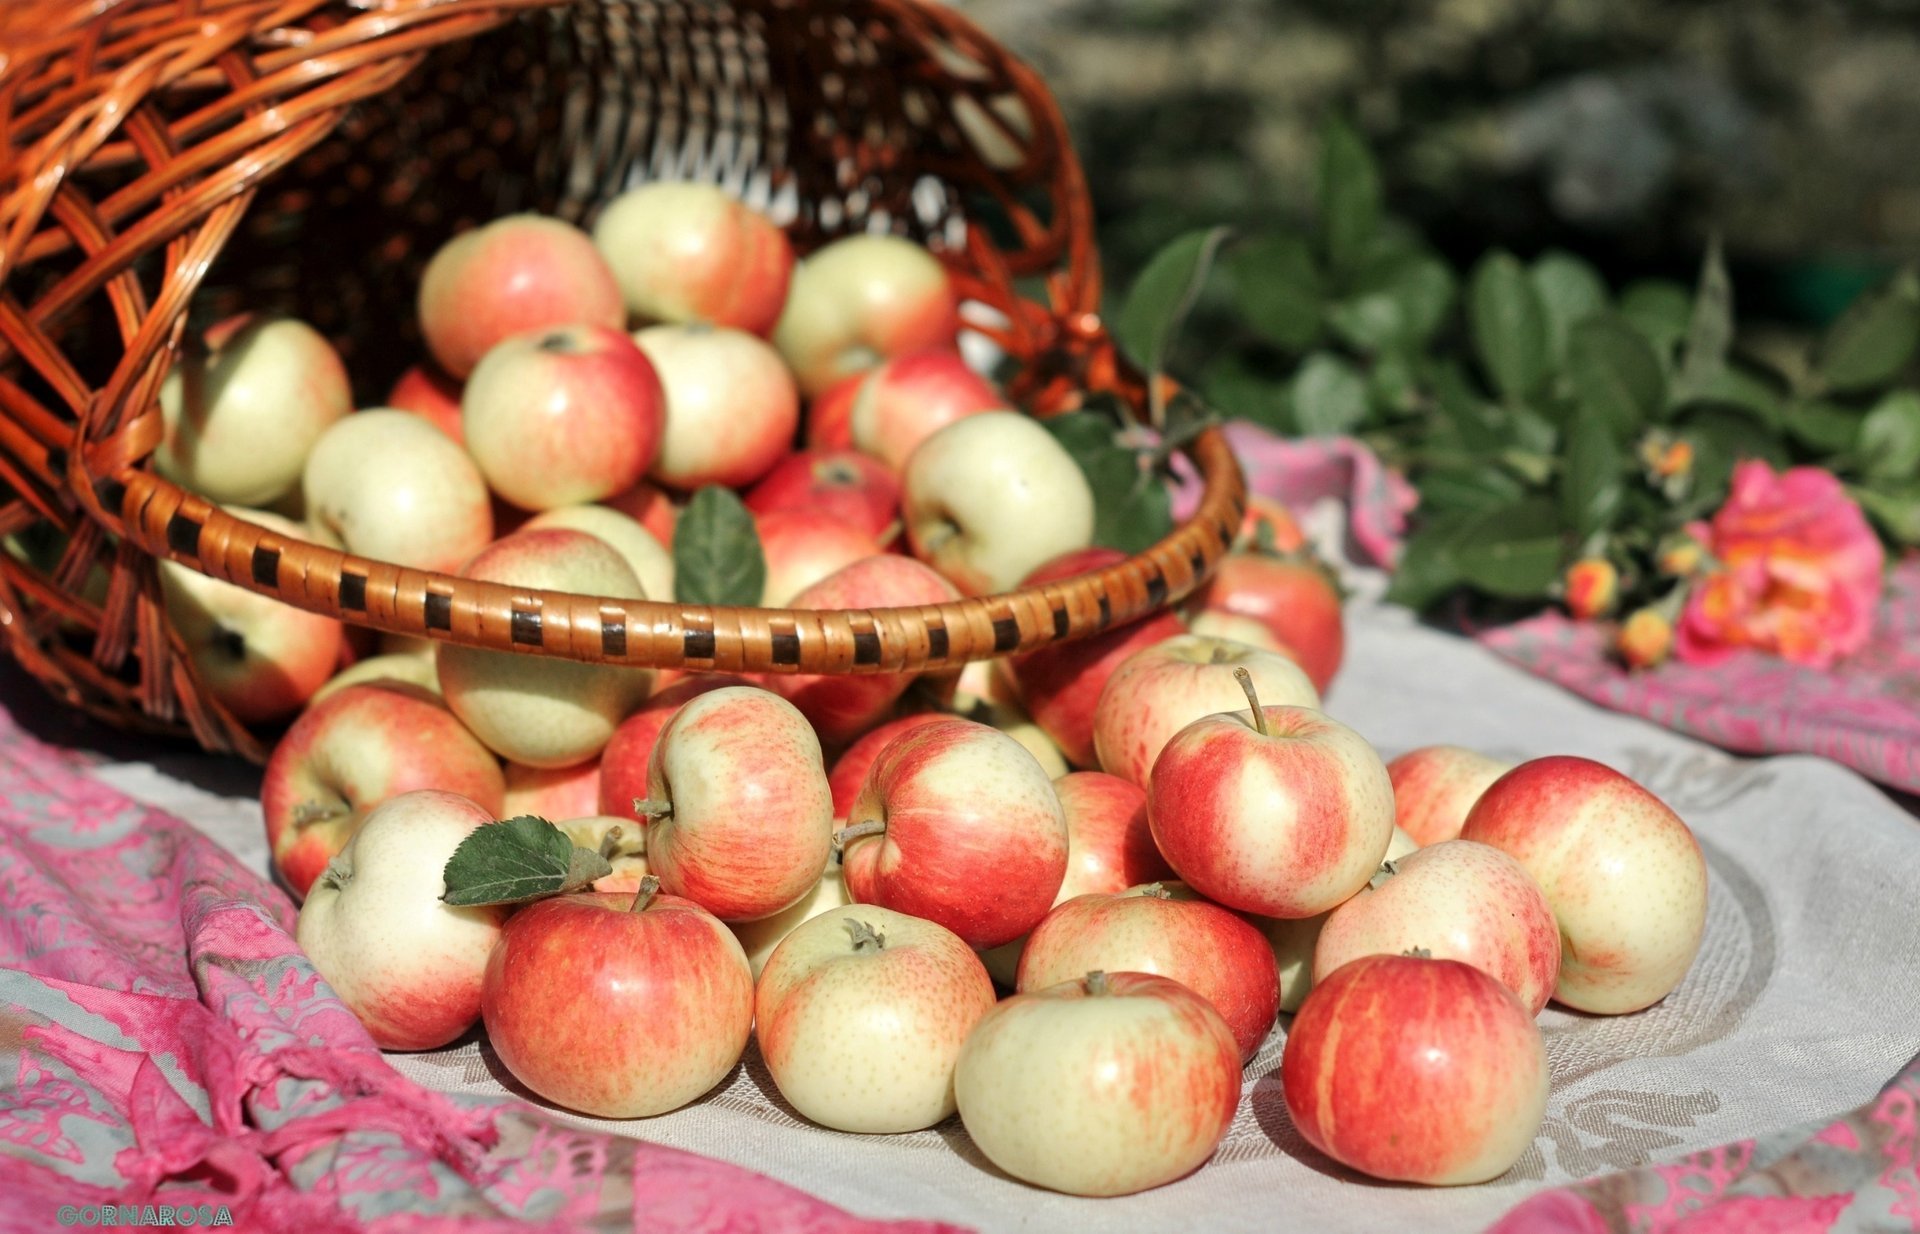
x=610 y=842
x=890 y=533
x=651 y=808
x=1096 y=984
x=309 y=812
x=866 y=939
x=649 y=887
x=858 y=831
x=1245 y=679
x=1386 y=871
x=1417 y=953
x=1156 y=891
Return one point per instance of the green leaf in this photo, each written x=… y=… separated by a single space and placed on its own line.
x=1349 y=194
x=1427 y=571
x=1472 y=490
x=1329 y=396
x=1277 y=289
x=1132 y=507
x=1616 y=374
x=1659 y=310
x=1720 y=437
x=1827 y=427
x=716 y=552
x=1514 y=553
x=1397 y=303
x=1735 y=386
x=521 y=859
x=1160 y=298
x=1570 y=291
x=1873 y=340
x=1894 y=507
x=1709 y=328
x=1591 y=484
x=1890 y=437
x=1240 y=391
x=1509 y=325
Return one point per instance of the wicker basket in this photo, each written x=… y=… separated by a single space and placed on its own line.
x=168 y=162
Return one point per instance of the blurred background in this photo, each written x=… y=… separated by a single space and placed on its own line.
x=1624 y=130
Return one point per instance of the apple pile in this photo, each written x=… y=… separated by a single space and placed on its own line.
x=1066 y=895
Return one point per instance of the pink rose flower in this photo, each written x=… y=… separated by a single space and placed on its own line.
x=1798 y=571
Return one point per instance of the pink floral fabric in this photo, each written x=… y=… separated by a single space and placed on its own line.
x=163 y=1041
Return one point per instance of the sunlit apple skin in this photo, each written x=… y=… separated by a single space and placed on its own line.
x=1103 y=1093
x=623 y=763
x=406 y=669
x=1162 y=688
x=652 y=509
x=651 y=560
x=1060 y=685
x=563 y=416
x=1294 y=598
x=240 y=419
x=850 y=769
x=388 y=485
x=845 y=486
x=425 y=391
x=1456 y=900
x=622 y=841
x=1416 y=1070
x=841 y=706
x=802 y=547
x=975 y=836
x=861 y=1014
x=1434 y=788
x=616 y=1013
x=690 y=252
x=751 y=823
x=552 y=793
x=518 y=273
x=759 y=938
x=1293 y=939
x=859 y=300
x=911 y=397
x=355 y=750
x=731 y=406
x=1211 y=951
x=1288 y=823
x=1624 y=876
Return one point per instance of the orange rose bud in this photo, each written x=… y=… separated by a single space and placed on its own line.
x=1645 y=638
x=1681 y=556
x=1592 y=586
x=1675 y=460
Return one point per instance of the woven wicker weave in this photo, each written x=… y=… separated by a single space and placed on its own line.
x=169 y=162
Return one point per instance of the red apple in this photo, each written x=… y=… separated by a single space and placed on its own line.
x=847 y=487
x=432 y=395
x=1295 y=597
x=850 y=769
x=690 y=252
x=519 y=273
x=911 y=397
x=1416 y=1070
x=804 y=546
x=1434 y=787
x=1109 y=844
x=731 y=406
x=651 y=508
x=623 y=764
x=553 y=793
x=830 y=415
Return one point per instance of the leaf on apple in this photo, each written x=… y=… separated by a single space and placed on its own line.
x=717 y=557
x=519 y=859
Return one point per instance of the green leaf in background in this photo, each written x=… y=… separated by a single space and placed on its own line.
x=1277 y=289
x=1427 y=571
x=1471 y=490
x=1709 y=328
x=1827 y=427
x=521 y=859
x=1160 y=298
x=1400 y=302
x=716 y=552
x=1509 y=325
x=1515 y=553
x=1735 y=386
x=1720 y=437
x=1329 y=396
x=1349 y=194
x=1874 y=339
x=1659 y=310
x=1616 y=374
x=1570 y=291
x=1591 y=482
x=1890 y=437
x=1132 y=507
x=1895 y=507
x=1231 y=384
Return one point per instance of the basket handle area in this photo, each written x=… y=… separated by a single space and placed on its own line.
x=170 y=522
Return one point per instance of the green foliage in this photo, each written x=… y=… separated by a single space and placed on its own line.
x=519 y=859
x=1132 y=508
x=716 y=551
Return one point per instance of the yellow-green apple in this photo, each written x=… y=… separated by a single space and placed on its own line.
x=1010 y=719
x=388 y=485
x=731 y=406
x=649 y=507
x=1160 y=689
x=1106 y=1085
x=909 y=398
x=430 y=394
x=1148 y=929
x=563 y=415
x=374 y=926
x=843 y=485
x=623 y=763
x=990 y=498
x=518 y=273
x=553 y=793
x=240 y=417
x=621 y=840
x=355 y=750
x=261 y=659
x=542 y=710
x=1416 y=1070
x=802 y=547
x=1293 y=939
x=860 y=300
x=830 y=415
x=742 y=821
x=1295 y=597
x=1219 y=623
x=841 y=706
x=759 y=938
x=690 y=252
x=1623 y=874
x=1060 y=684
x=652 y=563
x=410 y=669
x=861 y=1014
x=1455 y=900
x=958 y=824
x=1280 y=811
x=615 y=1005
x=850 y=769
x=1434 y=787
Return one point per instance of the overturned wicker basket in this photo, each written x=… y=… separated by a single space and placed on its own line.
x=175 y=159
